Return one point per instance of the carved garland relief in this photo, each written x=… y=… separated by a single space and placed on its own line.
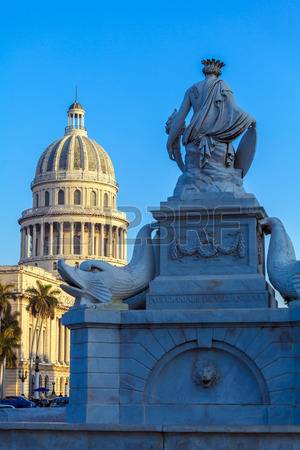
x=205 y=246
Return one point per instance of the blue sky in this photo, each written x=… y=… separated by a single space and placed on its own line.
x=132 y=61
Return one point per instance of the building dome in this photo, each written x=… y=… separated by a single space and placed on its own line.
x=74 y=215
x=75 y=153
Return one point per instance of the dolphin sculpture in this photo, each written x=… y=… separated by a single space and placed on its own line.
x=97 y=281
x=282 y=265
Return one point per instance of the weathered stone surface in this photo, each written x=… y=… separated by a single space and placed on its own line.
x=182 y=367
x=43 y=436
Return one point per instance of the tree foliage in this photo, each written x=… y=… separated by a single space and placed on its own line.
x=10 y=337
x=42 y=300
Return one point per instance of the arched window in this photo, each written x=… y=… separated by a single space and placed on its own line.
x=77 y=197
x=105 y=200
x=36 y=201
x=61 y=197
x=47 y=198
x=93 y=198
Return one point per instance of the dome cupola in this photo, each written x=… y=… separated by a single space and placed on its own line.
x=75 y=119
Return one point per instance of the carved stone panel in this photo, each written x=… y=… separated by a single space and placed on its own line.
x=211 y=250
x=204 y=376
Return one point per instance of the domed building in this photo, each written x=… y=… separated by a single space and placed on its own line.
x=74 y=216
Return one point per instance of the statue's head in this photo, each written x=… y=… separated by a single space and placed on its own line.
x=212 y=67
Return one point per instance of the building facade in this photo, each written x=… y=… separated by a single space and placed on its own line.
x=74 y=216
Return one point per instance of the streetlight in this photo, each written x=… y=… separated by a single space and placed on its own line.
x=66 y=388
x=36 y=378
x=22 y=377
x=53 y=389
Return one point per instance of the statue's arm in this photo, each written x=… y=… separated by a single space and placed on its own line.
x=179 y=119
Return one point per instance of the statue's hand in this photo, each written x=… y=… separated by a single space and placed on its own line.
x=170 y=151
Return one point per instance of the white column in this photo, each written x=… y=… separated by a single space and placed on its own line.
x=34 y=240
x=41 y=346
x=116 y=243
x=22 y=244
x=62 y=343
x=51 y=238
x=92 y=238
x=110 y=241
x=71 y=238
x=41 y=250
x=61 y=238
x=101 y=239
x=49 y=339
x=113 y=242
x=57 y=339
x=82 y=239
x=46 y=343
x=124 y=244
x=27 y=241
x=119 y=244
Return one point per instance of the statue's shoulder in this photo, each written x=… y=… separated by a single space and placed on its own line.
x=225 y=86
x=195 y=90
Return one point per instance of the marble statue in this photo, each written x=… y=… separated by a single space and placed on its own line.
x=211 y=164
x=97 y=281
x=283 y=268
x=203 y=341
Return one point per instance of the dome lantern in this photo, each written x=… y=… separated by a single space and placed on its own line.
x=75 y=119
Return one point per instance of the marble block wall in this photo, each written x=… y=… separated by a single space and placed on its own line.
x=217 y=367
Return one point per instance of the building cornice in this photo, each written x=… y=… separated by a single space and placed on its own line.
x=48 y=212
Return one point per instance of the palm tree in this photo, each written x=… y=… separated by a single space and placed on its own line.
x=10 y=336
x=42 y=303
x=6 y=294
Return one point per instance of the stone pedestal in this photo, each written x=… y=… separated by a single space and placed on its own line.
x=208 y=367
x=211 y=255
x=210 y=348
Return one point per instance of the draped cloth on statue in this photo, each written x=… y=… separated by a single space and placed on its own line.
x=218 y=119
